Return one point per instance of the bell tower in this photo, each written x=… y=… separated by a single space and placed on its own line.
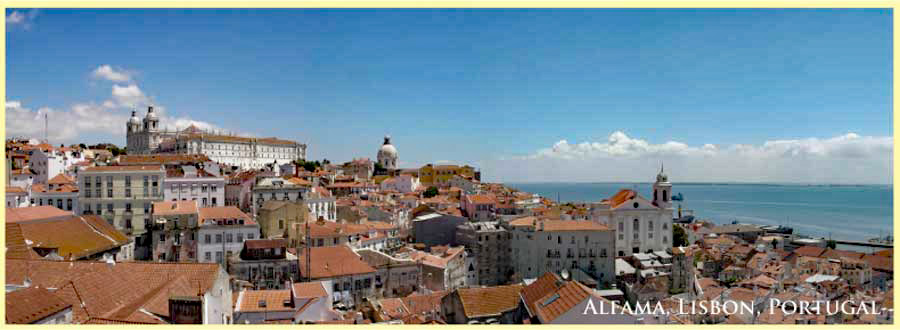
x=662 y=189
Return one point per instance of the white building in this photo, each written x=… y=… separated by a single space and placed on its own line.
x=404 y=184
x=186 y=183
x=222 y=233
x=641 y=225
x=540 y=246
x=17 y=197
x=387 y=154
x=244 y=152
x=21 y=177
x=48 y=164
x=279 y=189
x=321 y=203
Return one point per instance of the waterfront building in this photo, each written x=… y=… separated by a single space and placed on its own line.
x=641 y=225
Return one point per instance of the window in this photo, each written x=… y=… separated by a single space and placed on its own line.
x=146 y=181
x=218 y=238
x=214 y=202
x=127 y=192
x=162 y=237
x=109 y=207
x=250 y=236
x=127 y=207
x=109 y=181
x=650 y=225
x=147 y=208
x=87 y=193
x=585 y=238
x=109 y=193
x=87 y=182
x=218 y=256
x=213 y=189
x=280 y=223
x=207 y=239
x=128 y=181
x=203 y=188
x=240 y=237
x=621 y=236
x=229 y=238
x=637 y=225
x=155 y=182
x=621 y=226
x=665 y=226
x=99 y=193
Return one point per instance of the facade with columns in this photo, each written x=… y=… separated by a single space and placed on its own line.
x=146 y=137
x=640 y=224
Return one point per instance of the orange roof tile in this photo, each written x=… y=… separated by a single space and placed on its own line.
x=224 y=212
x=25 y=214
x=333 y=261
x=273 y=300
x=61 y=179
x=101 y=290
x=309 y=289
x=489 y=301
x=175 y=208
x=74 y=237
x=31 y=305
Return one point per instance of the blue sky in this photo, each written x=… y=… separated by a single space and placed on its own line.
x=490 y=87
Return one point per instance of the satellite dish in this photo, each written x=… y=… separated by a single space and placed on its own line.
x=565 y=274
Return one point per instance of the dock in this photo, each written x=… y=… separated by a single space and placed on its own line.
x=869 y=244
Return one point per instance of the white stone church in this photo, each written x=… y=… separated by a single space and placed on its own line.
x=146 y=137
x=641 y=225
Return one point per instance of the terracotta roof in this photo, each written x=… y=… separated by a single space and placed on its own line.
x=621 y=197
x=333 y=261
x=489 y=301
x=481 y=199
x=265 y=243
x=273 y=300
x=439 y=261
x=572 y=225
x=542 y=286
x=886 y=253
x=74 y=237
x=63 y=189
x=557 y=303
x=32 y=304
x=837 y=254
x=14 y=190
x=879 y=263
x=61 y=179
x=118 y=292
x=25 y=214
x=809 y=251
x=239 y=139
x=309 y=289
x=224 y=212
x=127 y=168
x=175 y=208
x=418 y=303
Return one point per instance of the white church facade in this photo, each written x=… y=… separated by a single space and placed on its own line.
x=640 y=224
x=146 y=137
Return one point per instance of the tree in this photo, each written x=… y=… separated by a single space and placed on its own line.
x=82 y=146
x=679 y=236
x=831 y=244
x=379 y=168
x=430 y=192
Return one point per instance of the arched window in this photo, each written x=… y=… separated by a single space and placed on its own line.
x=655 y=192
x=665 y=196
x=637 y=225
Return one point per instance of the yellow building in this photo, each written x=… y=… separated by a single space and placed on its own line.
x=441 y=174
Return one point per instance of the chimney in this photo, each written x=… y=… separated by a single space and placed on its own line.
x=186 y=310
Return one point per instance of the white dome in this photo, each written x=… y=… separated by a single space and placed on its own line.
x=151 y=114
x=134 y=119
x=388 y=150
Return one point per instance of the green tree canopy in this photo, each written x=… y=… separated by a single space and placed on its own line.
x=430 y=192
x=679 y=236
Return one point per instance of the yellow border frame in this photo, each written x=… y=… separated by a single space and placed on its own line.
x=448 y=4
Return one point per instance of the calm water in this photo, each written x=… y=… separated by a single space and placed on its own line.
x=843 y=212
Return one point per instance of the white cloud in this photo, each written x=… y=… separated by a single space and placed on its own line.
x=129 y=96
x=62 y=126
x=107 y=72
x=23 y=19
x=848 y=158
x=107 y=117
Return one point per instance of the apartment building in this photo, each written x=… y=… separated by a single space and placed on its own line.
x=122 y=195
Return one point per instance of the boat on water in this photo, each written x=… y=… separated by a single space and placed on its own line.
x=889 y=239
x=778 y=229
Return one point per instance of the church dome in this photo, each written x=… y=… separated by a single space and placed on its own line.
x=387 y=149
x=151 y=114
x=134 y=119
